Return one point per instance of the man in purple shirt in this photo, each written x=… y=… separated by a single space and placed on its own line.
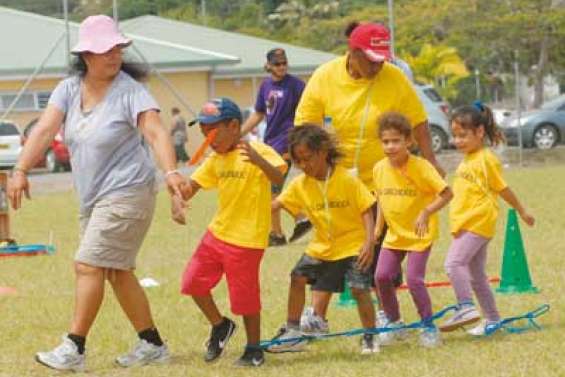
x=276 y=102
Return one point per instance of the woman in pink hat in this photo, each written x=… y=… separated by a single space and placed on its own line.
x=106 y=113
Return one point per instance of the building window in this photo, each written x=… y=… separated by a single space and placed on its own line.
x=27 y=102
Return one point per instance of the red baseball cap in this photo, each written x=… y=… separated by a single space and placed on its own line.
x=373 y=39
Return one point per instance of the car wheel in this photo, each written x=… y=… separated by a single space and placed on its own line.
x=545 y=137
x=51 y=162
x=439 y=138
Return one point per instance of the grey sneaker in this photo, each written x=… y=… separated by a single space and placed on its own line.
x=312 y=324
x=430 y=337
x=464 y=315
x=144 y=353
x=480 y=329
x=381 y=318
x=294 y=342
x=390 y=337
x=368 y=345
x=63 y=357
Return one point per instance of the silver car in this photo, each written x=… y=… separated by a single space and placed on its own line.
x=437 y=110
x=10 y=144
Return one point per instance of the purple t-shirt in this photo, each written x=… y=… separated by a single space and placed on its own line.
x=278 y=101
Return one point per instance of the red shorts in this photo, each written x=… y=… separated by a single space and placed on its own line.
x=211 y=259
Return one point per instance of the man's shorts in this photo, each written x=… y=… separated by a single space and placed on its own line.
x=211 y=260
x=329 y=276
x=277 y=189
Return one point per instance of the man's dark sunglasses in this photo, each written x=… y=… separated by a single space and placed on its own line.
x=278 y=64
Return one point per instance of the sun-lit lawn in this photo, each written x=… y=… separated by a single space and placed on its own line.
x=39 y=314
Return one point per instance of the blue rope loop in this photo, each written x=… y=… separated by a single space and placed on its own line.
x=377 y=330
x=489 y=330
x=26 y=249
x=529 y=317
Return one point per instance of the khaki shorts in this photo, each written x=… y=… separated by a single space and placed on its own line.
x=112 y=233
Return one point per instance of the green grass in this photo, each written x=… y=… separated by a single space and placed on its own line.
x=35 y=318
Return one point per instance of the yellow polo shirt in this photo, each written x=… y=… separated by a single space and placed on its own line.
x=243 y=217
x=402 y=194
x=478 y=180
x=334 y=209
x=332 y=92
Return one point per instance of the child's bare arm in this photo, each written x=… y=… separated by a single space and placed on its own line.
x=509 y=197
x=379 y=223
x=439 y=202
x=365 y=259
x=274 y=174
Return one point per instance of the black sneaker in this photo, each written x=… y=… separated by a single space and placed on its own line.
x=275 y=240
x=300 y=229
x=252 y=357
x=219 y=337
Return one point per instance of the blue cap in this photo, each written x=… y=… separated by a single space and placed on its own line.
x=216 y=110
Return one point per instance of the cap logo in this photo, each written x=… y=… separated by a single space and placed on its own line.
x=378 y=42
x=210 y=109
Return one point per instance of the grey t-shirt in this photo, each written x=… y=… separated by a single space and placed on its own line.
x=107 y=154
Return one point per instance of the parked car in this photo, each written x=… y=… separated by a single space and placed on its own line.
x=56 y=157
x=543 y=128
x=10 y=144
x=438 y=120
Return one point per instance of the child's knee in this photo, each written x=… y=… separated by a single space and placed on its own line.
x=383 y=277
x=298 y=281
x=359 y=294
x=415 y=282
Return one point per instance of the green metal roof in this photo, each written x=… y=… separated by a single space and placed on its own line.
x=27 y=39
x=250 y=50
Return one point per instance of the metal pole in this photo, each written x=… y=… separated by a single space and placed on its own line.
x=391 y=25
x=164 y=80
x=31 y=78
x=115 y=11
x=67 y=33
x=203 y=11
x=478 y=83
x=518 y=105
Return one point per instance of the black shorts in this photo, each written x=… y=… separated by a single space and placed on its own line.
x=277 y=189
x=330 y=276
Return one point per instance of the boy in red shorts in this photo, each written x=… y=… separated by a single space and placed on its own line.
x=238 y=234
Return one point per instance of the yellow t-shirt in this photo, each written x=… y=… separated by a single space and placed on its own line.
x=402 y=194
x=332 y=92
x=338 y=227
x=243 y=217
x=478 y=180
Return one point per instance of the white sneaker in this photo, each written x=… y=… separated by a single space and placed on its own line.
x=368 y=345
x=464 y=315
x=381 y=318
x=63 y=357
x=390 y=337
x=430 y=337
x=288 y=346
x=312 y=324
x=480 y=329
x=144 y=353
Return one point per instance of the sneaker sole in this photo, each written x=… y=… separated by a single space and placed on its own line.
x=77 y=369
x=455 y=326
x=158 y=361
x=226 y=342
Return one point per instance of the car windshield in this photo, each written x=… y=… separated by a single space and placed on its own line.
x=554 y=104
x=433 y=95
x=8 y=129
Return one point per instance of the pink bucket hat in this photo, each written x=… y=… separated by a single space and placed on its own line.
x=99 y=34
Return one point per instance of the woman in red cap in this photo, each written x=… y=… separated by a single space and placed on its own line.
x=105 y=112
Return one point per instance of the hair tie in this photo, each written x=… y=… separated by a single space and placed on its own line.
x=479 y=105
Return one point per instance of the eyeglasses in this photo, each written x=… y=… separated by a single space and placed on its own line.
x=278 y=64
